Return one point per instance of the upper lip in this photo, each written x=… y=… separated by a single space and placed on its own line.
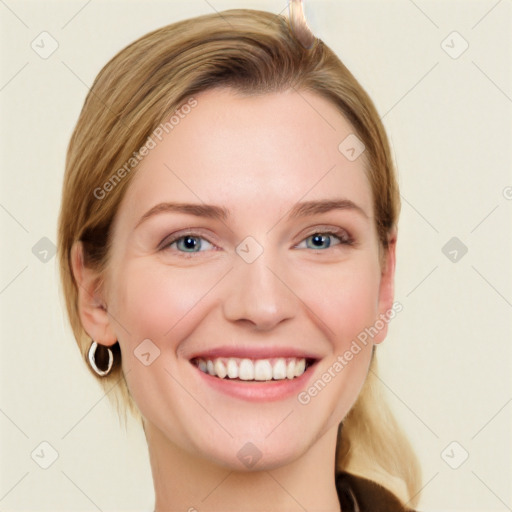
x=258 y=352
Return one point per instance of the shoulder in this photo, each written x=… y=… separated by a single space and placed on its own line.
x=358 y=494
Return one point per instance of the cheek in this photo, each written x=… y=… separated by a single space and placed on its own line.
x=345 y=299
x=155 y=300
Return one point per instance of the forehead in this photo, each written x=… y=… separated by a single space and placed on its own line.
x=259 y=153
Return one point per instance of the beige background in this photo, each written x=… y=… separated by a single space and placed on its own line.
x=446 y=362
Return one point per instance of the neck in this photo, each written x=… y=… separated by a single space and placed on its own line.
x=186 y=482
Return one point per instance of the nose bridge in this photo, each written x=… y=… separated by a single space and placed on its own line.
x=256 y=291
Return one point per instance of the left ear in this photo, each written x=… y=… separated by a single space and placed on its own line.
x=387 y=288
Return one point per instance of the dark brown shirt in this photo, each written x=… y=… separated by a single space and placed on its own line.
x=357 y=494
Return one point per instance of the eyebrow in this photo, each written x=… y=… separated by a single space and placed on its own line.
x=210 y=211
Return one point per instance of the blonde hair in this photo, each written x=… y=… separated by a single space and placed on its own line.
x=253 y=52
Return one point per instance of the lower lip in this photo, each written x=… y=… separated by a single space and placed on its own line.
x=258 y=391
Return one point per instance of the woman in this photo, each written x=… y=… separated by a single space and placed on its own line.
x=227 y=249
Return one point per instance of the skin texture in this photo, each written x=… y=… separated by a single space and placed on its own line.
x=257 y=156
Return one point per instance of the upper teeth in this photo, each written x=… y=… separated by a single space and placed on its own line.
x=258 y=369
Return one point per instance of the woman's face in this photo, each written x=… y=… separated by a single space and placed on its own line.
x=245 y=279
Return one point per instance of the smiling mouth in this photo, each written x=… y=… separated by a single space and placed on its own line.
x=254 y=370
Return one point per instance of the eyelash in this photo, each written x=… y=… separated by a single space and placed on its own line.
x=341 y=235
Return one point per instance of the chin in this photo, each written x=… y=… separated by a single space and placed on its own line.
x=261 y=445
x=246 y=455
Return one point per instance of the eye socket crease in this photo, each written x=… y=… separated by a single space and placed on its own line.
x=299 y=210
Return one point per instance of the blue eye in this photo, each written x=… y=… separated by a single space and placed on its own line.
x=188 y=243
x=322 y=239
x=192 y=243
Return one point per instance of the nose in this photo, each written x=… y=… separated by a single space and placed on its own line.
x=258 y=294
